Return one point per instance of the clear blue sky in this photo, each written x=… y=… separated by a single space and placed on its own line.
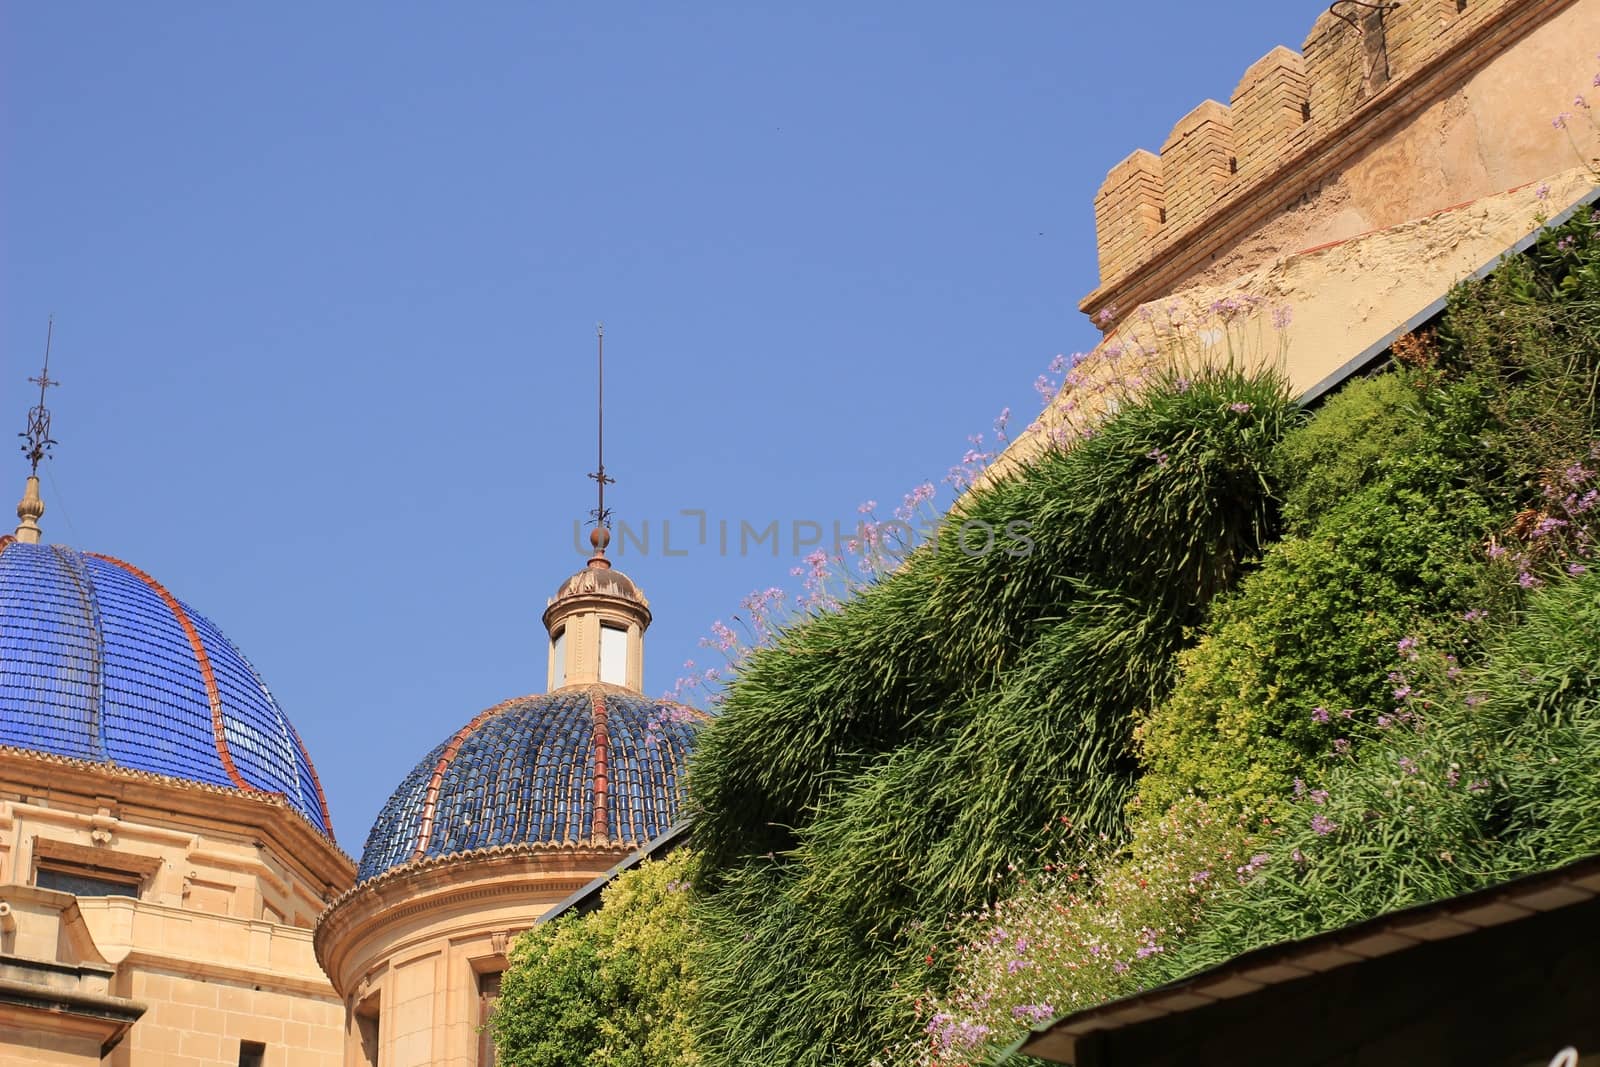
x=325 y=280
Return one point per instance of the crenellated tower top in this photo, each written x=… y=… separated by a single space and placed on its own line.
x=1298 y=123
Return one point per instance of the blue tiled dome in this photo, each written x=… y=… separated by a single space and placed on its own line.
x=99 y=662
x=587 y=766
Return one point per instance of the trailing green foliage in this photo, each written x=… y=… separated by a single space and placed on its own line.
x=1497 y=774
x=613 y=988
x=882 y=766
x=1524 y=346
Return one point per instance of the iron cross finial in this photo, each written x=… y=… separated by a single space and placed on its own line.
x=36 y=439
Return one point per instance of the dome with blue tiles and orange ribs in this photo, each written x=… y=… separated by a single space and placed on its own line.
x=592 y=764
x=99 y=662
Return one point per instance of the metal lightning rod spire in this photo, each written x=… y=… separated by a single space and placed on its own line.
x=601 y=514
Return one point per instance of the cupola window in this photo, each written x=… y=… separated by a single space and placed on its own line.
x=558 y=659
x=613 y=654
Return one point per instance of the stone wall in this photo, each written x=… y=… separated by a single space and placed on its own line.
x=196 y=1021
x=1413 y=109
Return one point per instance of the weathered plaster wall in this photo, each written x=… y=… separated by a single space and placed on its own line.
x=1345 y=138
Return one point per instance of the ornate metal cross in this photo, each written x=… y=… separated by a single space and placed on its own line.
x=36 y=439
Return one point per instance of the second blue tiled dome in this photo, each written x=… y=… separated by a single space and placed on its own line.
x=586 y=766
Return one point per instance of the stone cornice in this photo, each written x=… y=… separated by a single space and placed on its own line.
x=269 y=816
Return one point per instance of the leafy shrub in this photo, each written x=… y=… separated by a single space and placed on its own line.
x=1344 y=446
x=613 y=988
x=1314 y=628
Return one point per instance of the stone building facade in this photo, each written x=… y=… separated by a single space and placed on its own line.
x=170 y=890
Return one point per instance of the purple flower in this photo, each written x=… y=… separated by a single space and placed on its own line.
x=1159 y=456
x=1527 y=581
x=1406 y=644
x=1576 y=569
x=1477 y=785
x=1319 y=715
x=1384 y=722
x=1258 y=861
x=1299 y=787
x=1239 y=407
x=1402 y=692
x=1341 y=745
x=1475 y=615
x=1322 y=826
x=1579 y=101
x=1319 y=796
x=1474 y=699
x=1547 y=525
x=1282 y=316
x=1298 y=857
x=1119 y=967
x=1201 y=877
x=1408 y=765
x=1560 y=123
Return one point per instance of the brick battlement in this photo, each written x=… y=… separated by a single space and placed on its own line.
x=1294 y=123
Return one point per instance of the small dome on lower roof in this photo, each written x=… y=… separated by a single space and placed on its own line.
x=596 y=765
x=99 y=662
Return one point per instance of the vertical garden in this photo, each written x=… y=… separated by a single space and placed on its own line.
x=1228 y=672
